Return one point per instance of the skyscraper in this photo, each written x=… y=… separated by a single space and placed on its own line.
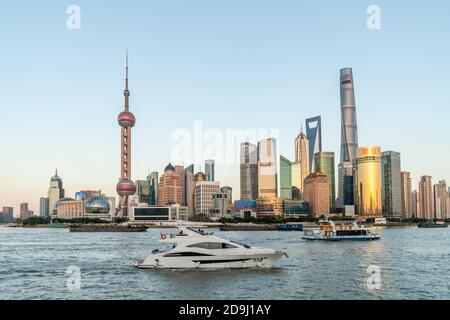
x=154 y=180
x=126 y=120
x=346 y=185
x=302 y=156
x=144 y=191
x=407 y=202
x=43 y=207
x=285 y=178
x=169 y=188
x=296 y=177
x=209 y=170
x=440 y=200
x=229 y=191
x=368 y=181
x=314 y=134
x=324 y=163
x=204 y=191
x=55 y=192
x=249 y=171
x=7 y=215
x=267 y=168
x=426 y=198
x=317 y=194
x=391 y=184
x=415 y=204
x=24 y=212
x=349 y=135
x=187 y=189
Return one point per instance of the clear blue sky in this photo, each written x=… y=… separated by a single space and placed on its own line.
x=231 y=64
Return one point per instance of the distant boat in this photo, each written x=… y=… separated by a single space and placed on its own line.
x=339 y=231
x=431 y=225
x=290 y=227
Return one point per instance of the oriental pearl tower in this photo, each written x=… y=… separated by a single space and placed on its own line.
x=126 y=186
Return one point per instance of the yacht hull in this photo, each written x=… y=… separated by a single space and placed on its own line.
x=212 y=262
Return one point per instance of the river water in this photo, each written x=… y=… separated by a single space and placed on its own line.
x=414 y=264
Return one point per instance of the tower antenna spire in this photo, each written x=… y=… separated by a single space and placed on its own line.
x=127 y=91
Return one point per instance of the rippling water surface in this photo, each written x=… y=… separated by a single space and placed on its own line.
x=415 y=264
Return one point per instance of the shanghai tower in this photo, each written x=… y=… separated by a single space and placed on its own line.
x=349 y=138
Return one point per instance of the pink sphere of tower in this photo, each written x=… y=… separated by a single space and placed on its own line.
x=126 y=119
x=126 y=188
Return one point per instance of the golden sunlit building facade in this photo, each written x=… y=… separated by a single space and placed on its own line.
x=368 y=195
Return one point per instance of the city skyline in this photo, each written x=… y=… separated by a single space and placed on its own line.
x=67 y=93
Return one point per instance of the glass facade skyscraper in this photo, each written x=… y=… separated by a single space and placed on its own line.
x=324 y=163
x=391 y=184
x=249 y=171
x=267 y=168
x=296 y=180
x=302 y=156
x=285 y=178
x=314 y=134
x=209 y=170
x=349 y=134
x=368 y=181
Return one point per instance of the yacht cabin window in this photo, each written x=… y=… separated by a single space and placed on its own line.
x=212 y=245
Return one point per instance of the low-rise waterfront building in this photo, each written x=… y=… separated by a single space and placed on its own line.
x=143 y=213
x=269 y=207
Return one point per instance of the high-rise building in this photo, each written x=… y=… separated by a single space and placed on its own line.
x=210 y=170
x=448 y=204
x=154 y=180
x=406 y=190
x=285 y=178
x=43 y=207
x=7 y=215
x=426 y=198
x=391 y=184
x=249 y=171
x=267 y=168
x=302 y=156
x=221 y=204
x=24 y=212
x=144 y=191
x=314 y=134
x=296 y=177
x=415 y=204
x=55 y=192
x=324 y=163
x=229 y=191
x=368 y=181
x=125 y=187
x=169 y=188
x=440 y=200
x=346 y=184
x=204 y=191
x=349 y=137
x=187 y=189
x=317 y=194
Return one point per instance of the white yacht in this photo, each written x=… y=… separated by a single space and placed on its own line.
x=193 y=248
